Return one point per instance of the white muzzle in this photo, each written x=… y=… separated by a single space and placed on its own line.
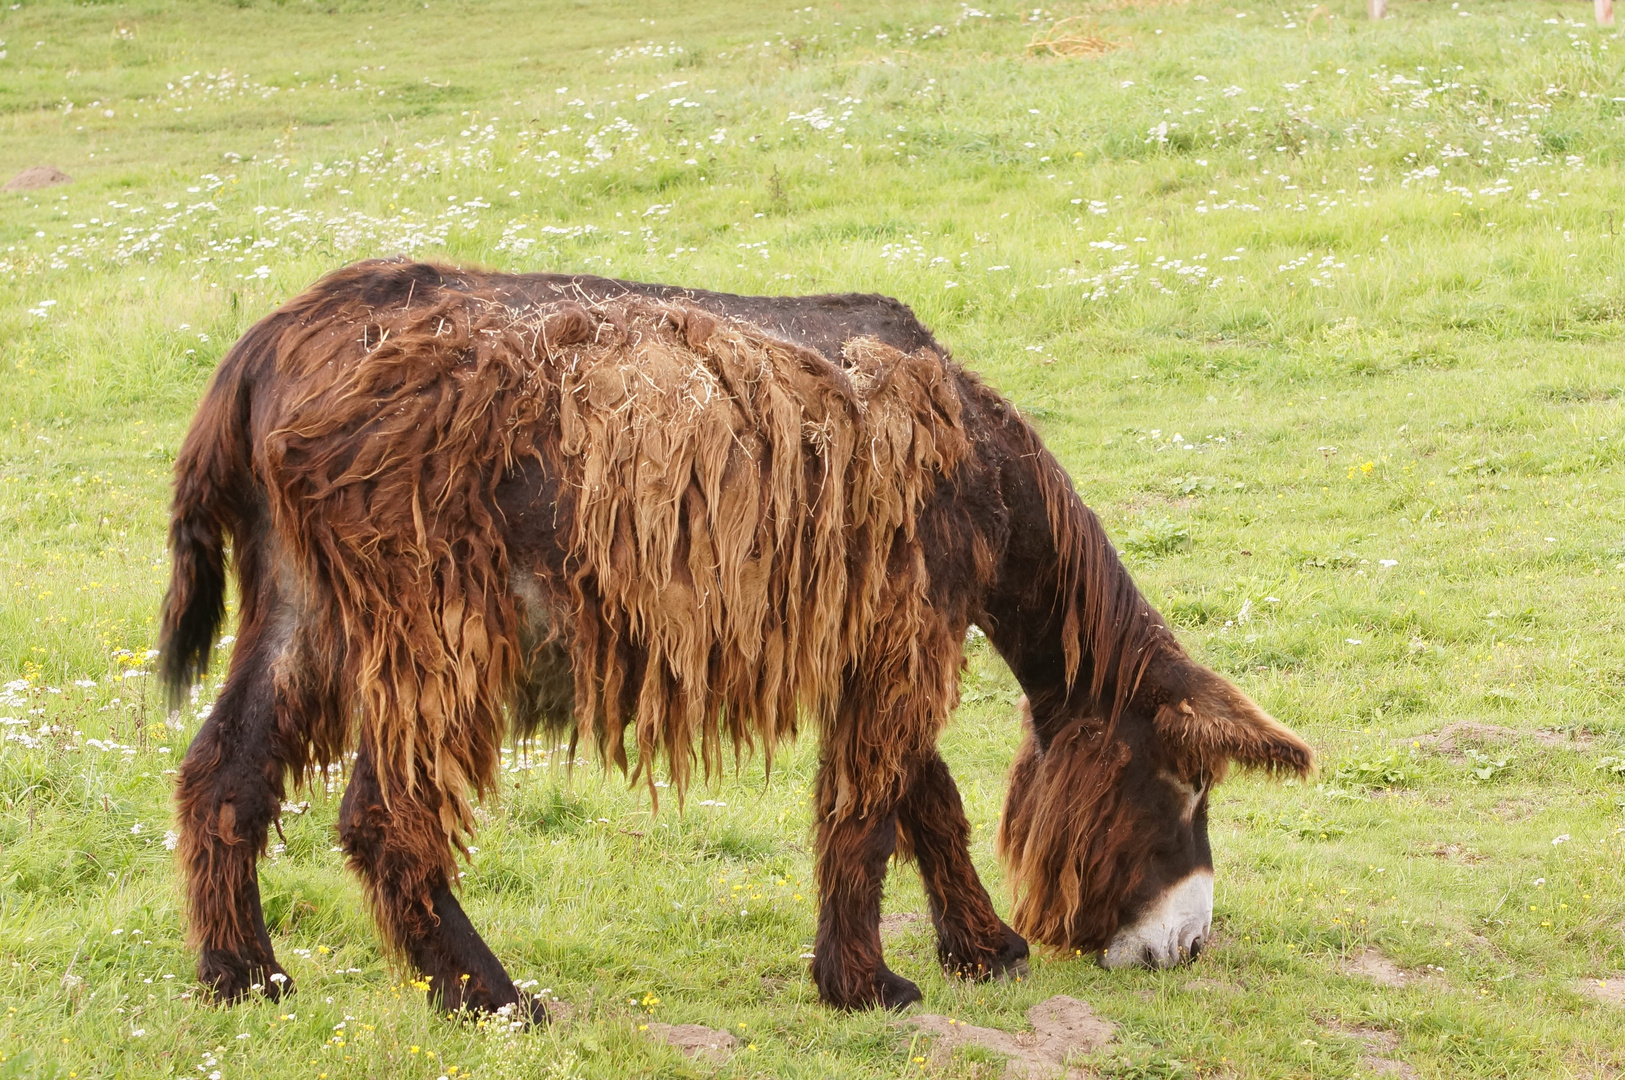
x=1172 y=931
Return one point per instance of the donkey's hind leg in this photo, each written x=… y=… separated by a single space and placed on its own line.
x=972 y=940
x=398 y=851
x=229 y=794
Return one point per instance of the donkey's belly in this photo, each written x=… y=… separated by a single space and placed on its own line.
x=544 y=694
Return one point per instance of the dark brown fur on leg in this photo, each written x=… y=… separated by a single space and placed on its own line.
x=972 y=941
x=398 y=851
x=230 y=791
x=853 y=851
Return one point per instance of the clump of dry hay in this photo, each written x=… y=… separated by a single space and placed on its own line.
x=737 y=516
x=1069 y=38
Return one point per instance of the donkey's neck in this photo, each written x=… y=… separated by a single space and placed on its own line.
x=1026 y=616
x=1063 y=611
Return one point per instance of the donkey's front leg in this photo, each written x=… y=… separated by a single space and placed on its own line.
x=853 y=850
x=972 y=941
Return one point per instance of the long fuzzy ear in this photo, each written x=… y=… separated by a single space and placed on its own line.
x=1216 y=720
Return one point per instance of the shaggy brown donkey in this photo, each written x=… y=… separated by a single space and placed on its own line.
x=465 y=505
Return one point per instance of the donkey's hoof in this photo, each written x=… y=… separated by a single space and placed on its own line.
x=527 y=1012
x=896 y=993
x=1014 y=972
x=535 y=1013
x=478 y=1003
x=229 y=979
x=1011 y=963
x=1007 y=964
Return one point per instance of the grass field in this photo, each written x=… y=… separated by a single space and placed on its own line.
x=1325 y=316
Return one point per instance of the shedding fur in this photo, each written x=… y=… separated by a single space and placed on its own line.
x=740 y=519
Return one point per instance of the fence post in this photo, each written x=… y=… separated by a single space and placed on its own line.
x=1604 y=10
x=1378 y=9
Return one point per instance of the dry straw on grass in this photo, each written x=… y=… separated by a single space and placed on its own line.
x=1070 y=38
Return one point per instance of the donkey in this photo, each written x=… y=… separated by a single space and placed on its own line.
x=465 y=505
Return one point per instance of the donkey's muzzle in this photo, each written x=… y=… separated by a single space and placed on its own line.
x=1171 y=931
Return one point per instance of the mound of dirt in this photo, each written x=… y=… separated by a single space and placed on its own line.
x=36 y=177
x=696 y=1040
x=1062 y=1026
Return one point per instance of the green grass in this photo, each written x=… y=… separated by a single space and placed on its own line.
x=1360 y=300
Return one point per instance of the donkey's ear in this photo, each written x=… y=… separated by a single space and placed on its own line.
x=1217 y=720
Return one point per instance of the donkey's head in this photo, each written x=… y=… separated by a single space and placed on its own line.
x=1105 y=824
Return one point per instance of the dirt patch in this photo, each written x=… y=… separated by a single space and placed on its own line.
x=696 y=1040
x=1376 y=1046
x=1608 y=991
x=1455 y=853
x=1448 y=739
x=39 y=176
x=1062 y=1027
x=1210 y=986
x=899 y=921
x=1453 y=738
x=1516 y=809
x=1372 y=965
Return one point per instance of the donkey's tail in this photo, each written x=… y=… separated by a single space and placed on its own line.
x=214 y=489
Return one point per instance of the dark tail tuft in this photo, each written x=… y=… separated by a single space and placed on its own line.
x=213 y=483
x=196 y=603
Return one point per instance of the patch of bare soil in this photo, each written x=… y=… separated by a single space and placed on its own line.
x=1372 y=965
x=36 y=177
x=1453 y=738
x=899 y=921
x=1375 y=1047
x=1456 y=853
x=1210 y=986
x=1516 y=809
x=1608 y=991
x=1062 y=1027
x=696 y=1040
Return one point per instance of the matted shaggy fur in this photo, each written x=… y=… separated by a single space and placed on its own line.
x=739 y=509
x=463 y=505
